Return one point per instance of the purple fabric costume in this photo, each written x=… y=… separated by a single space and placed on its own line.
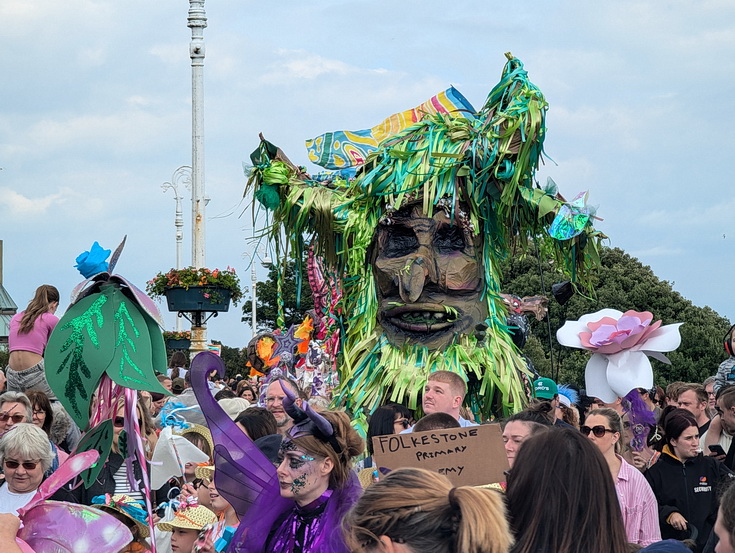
x=248 y=480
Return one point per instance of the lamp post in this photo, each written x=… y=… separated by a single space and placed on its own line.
x=181 y=175
x=266 y=262
x=197 y=21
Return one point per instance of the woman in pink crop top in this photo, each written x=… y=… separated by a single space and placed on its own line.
x=29 y=334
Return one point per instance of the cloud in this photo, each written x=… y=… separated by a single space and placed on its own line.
x=300 y=64
x=126 y=131
x=14 y=205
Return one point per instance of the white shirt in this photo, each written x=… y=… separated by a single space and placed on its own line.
x=10 y=502
x=463 y=423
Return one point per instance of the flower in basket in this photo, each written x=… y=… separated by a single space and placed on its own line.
x=177 y=335
x=620 y=344
x=210 y=280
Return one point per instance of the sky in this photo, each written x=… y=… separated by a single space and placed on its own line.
x=95 y=115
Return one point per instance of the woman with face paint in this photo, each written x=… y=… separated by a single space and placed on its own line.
x=315 y=472
x=298 y=505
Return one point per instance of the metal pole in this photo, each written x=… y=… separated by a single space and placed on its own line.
x=254 y=284
x=181 y=175
x=197 y=21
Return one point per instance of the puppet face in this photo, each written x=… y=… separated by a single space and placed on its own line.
x=429 y=278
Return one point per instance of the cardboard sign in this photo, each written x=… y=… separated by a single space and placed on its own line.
x=468 y=456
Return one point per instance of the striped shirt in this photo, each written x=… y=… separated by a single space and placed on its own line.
x=122 y=486
x=638 y=505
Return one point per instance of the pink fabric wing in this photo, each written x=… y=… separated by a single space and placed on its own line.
x=60 y=527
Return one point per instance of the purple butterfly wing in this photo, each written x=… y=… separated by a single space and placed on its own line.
x=243 y=473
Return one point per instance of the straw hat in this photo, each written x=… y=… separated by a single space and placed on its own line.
x=203 y=431
x=128 y=507
x=205 y=472
x=190 y=518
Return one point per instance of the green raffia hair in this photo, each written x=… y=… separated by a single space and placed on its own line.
x=485 y=161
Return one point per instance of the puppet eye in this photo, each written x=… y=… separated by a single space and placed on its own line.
x=449 y=239
x=400 y=241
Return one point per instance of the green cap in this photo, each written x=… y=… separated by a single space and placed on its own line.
x=545 y=388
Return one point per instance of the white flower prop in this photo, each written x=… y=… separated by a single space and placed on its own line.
x=620 y=343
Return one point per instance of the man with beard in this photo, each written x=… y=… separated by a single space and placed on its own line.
x=412 y=245
x=274 y=402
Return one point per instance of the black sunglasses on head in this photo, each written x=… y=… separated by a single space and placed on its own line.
x=599 y=430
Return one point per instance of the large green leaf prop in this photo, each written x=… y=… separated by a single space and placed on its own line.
x=100 y=439
x=104 y=332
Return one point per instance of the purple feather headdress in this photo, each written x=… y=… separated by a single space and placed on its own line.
x=307 y=422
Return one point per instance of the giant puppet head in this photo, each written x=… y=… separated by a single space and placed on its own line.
x=413 y=240
x=428 y=272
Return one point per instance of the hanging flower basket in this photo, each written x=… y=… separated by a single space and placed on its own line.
x=191 y=289
x=178 y=344
x=177 y=339
x=198 y=298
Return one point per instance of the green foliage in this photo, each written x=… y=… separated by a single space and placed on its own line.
x=267 y=301
x=4 y=356
x=234 y=360
x=623 y=283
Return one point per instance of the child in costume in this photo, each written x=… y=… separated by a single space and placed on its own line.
x=186 y=525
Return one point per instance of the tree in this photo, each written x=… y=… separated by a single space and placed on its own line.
x=623 y=283
x=267 y=301
x=234 y=360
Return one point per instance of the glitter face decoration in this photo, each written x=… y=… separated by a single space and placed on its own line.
x=428 y=275
x=299 y=474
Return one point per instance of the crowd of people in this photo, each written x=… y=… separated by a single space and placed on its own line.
x=648 y=472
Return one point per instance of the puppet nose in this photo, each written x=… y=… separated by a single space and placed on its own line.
x=412 y=278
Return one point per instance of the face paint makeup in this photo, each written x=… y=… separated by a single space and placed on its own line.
x=298 y=462
x=300 y=475
x=298 y=484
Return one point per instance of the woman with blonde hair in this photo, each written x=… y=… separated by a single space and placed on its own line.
x=113 y=479
x=414 y=510
x=638 y=504
x=29 y=333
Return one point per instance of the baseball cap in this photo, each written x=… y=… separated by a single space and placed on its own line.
x=178 y=385
x=545 y=388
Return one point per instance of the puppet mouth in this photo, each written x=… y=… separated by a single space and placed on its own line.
x=421 y=317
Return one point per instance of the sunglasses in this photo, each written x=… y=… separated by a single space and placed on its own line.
x=16 y=418
x=28 y=465
x=404 y=422
x=120 y=422
x=598 y=431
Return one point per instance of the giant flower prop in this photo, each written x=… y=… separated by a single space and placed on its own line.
x=620 y=344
